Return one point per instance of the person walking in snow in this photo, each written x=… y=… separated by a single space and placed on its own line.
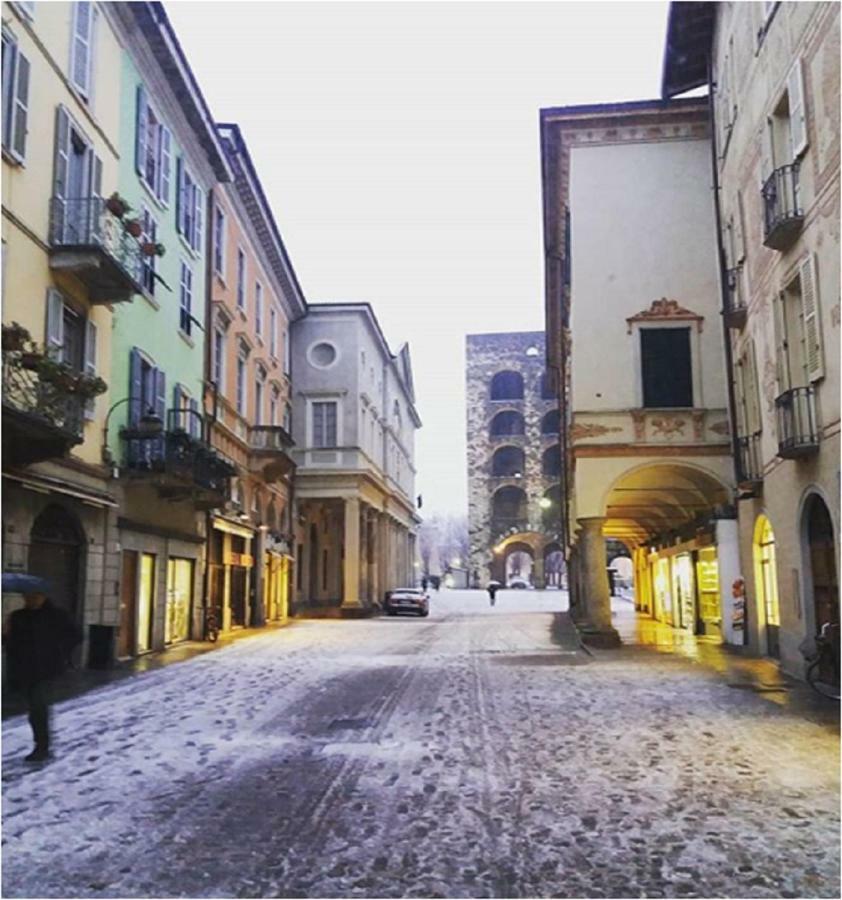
x=39 y=640
x=492 y=592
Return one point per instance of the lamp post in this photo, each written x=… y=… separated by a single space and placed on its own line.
x=150 y=424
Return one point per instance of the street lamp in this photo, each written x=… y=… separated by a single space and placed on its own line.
x=545 y=503
x=149 y=425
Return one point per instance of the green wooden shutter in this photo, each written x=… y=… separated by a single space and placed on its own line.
x=797 y=117
x=813 y=349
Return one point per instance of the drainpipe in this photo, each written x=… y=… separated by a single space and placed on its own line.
x=723 y=281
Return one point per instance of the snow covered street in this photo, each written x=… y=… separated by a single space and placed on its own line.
x=468 y=754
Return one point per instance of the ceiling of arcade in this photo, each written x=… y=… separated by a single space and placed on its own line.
x=659 y=499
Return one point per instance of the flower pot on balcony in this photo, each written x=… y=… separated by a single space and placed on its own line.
x=30 y=360
x=116 y=205
x=149 y=249
x=134 y=227
x=15 y=337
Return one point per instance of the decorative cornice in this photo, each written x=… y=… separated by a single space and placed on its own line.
x=664 y=309
x=591 y=429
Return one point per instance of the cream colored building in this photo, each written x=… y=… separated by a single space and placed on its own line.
x=353 y=422
x=634 y=339
x=66 y=265
x=776 y=81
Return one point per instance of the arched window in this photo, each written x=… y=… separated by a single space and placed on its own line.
x=549 y=424
x=507 y=422
x=551 y=461
x=507 y=386
x=508 y=505
x=507 y=461
x=545 y=386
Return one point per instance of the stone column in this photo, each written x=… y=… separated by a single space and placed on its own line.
x=382 y=571
x=595 y=582
x=538 y=571
x=258 y=610
x=373 y=550
x=351 y=568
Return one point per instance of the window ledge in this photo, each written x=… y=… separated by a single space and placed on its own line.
x=151 y=194
x=186 y=244
x=150 y=300
x=12 y=160
x=186 y=338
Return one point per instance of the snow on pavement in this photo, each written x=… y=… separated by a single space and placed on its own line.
x=461 y=755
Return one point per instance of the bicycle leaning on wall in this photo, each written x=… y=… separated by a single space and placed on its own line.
x=823 y=670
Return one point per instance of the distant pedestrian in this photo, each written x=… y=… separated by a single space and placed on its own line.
x=492 y=592
x=436 y=582
x=39 y=640
x=424 y=583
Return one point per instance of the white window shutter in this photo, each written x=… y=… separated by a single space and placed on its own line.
x=766 y=152
x=165 y=167
x=781 y=343
x=752 y=389
x=180 y=197
x=55 y=323
x=198 y=217
x=90 y=363
x=141 y=149
x=20 y=110
x=739 y=234
x=81 y=46
x=813 y=350
x=797 y=117
x=60 y=172
x=739 y=390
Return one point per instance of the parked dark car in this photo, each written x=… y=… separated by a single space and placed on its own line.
x=408 y=600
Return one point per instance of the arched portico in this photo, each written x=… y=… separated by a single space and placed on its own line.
x=535 y=544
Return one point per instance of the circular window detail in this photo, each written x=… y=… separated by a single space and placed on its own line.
x=323 y=354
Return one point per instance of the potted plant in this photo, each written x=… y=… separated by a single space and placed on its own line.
x=134 y=227
x=160 y=249
x=88 y=386
x=31 y=359
x=15 y=338
x=149 y=248
x=116 y=205
x=57 y=374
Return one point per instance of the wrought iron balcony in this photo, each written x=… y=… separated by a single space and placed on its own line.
x=178 y=461
x=798 y=431
x=94 y=246
x=269 y=446
x=782 y=212
x=41 y=420
x=750 y=461
x=735 y=309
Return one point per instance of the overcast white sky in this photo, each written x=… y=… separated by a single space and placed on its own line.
x=398 y=145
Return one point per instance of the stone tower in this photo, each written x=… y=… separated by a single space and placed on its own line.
x=513 y=456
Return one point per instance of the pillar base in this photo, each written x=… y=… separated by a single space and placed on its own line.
x=356 y=612
x=601 y=638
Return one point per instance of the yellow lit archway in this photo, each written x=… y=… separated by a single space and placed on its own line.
x=766 y=582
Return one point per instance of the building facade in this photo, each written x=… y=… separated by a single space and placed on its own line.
x=775 y=89
x=68 y=267
x=635 y=343
x=514 y=460
x=254 y=296
x=166 y=475
x=353 y=423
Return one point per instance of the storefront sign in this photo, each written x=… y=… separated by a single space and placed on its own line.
x=238 y=559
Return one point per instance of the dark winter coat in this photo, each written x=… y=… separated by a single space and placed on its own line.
x=38 y=644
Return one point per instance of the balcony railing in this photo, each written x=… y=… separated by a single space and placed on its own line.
x=270 y=447
x=798 y=432
x=782 y=212
x=182 y=463
x=269 y=439
x=750 y=460
x=40 y=419
x=735 y=309
x=93 y=245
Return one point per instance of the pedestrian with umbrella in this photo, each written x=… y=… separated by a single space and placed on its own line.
x=493 y=587
x=39 y=640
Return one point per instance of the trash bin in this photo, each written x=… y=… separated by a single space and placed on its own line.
x=101 y=646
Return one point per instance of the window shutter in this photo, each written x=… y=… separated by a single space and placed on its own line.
x=198 y=218
x=55 y=323
x=739 y=235
x=20 y=112
x=135 y=387
x=90 y=363
x=80 y=55
x=812 y=326
x=160 y=382
x=766 y=152
x=163 y=191
x=60 y=169
x=195 y=421
x=752 y=391
x=797 y=118
x=739 y=390
x=781 y=344
x=140 y=148
x=180 y=197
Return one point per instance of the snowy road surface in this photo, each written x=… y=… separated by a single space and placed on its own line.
x=461 y=755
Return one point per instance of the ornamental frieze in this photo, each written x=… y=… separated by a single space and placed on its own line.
x=582 y=430
x=666 y=310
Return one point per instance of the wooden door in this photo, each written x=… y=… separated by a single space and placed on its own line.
x=128 y=604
